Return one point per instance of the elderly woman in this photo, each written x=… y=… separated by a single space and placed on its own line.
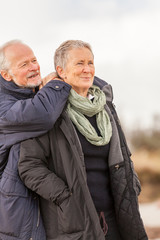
x=82 y=169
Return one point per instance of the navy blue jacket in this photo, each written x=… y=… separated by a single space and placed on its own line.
x=23 y=115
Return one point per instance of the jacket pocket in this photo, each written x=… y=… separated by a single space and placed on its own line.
x=70 y=218
x=135 y=181
x=15 y=206
x=12 y=214
x=118 y=180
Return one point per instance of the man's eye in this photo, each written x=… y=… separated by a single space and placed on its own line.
x=79 y=63
x=34 y=60
x=23 y=65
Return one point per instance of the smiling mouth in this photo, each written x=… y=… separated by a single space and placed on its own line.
x=86 y=78
x=34 y=75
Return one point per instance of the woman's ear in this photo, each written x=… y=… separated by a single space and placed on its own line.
x=6 y=75
x=60 y=72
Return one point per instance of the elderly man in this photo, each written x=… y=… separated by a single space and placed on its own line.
x=25 y=113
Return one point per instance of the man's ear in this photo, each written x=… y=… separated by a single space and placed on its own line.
x=60 y=72
x=6 y=75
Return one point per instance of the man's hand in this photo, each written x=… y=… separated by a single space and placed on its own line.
x=49 y=77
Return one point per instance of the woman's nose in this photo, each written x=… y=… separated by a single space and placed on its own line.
x=86 y=68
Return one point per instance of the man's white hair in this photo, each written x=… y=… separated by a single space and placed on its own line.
x=4 y=63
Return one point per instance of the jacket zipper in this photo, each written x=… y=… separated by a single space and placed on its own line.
x=38 y=220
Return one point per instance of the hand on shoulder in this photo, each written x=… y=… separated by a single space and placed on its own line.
x=49 y=77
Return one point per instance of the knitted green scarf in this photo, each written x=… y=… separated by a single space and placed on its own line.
x=79 y=106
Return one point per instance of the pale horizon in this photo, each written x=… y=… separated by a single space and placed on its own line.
x=124 y=36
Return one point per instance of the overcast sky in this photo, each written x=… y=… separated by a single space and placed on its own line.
x=124 y=35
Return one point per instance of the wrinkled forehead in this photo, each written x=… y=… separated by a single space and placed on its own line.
x=16 y=48
x=79 y=53
x=18 y=53
x=79 y=49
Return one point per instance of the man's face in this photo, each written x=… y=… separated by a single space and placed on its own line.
x=24 y=69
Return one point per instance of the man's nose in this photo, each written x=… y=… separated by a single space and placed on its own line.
x=33 y=66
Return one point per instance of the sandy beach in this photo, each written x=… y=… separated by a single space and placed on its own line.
x=150 y=213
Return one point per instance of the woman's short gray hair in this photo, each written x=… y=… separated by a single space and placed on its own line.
x=4 y=63
x=61 y=53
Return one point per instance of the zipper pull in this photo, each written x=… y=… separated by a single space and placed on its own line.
x=117 y=166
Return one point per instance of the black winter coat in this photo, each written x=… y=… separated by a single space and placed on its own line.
x=53 y=166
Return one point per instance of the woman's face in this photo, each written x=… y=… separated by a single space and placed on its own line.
x=79 y=70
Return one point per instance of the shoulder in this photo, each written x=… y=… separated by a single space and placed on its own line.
x=105 y=87
x=99 y=82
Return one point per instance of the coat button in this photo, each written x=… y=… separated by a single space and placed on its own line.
x=57 y=87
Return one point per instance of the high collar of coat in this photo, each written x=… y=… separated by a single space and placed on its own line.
x=11 y=88
x=105 y=87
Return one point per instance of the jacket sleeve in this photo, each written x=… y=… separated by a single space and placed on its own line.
x=39 y=112
x=34 y=171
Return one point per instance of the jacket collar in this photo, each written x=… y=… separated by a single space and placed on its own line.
x=12 y=89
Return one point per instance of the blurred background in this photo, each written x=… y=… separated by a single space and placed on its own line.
x=125 y=37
